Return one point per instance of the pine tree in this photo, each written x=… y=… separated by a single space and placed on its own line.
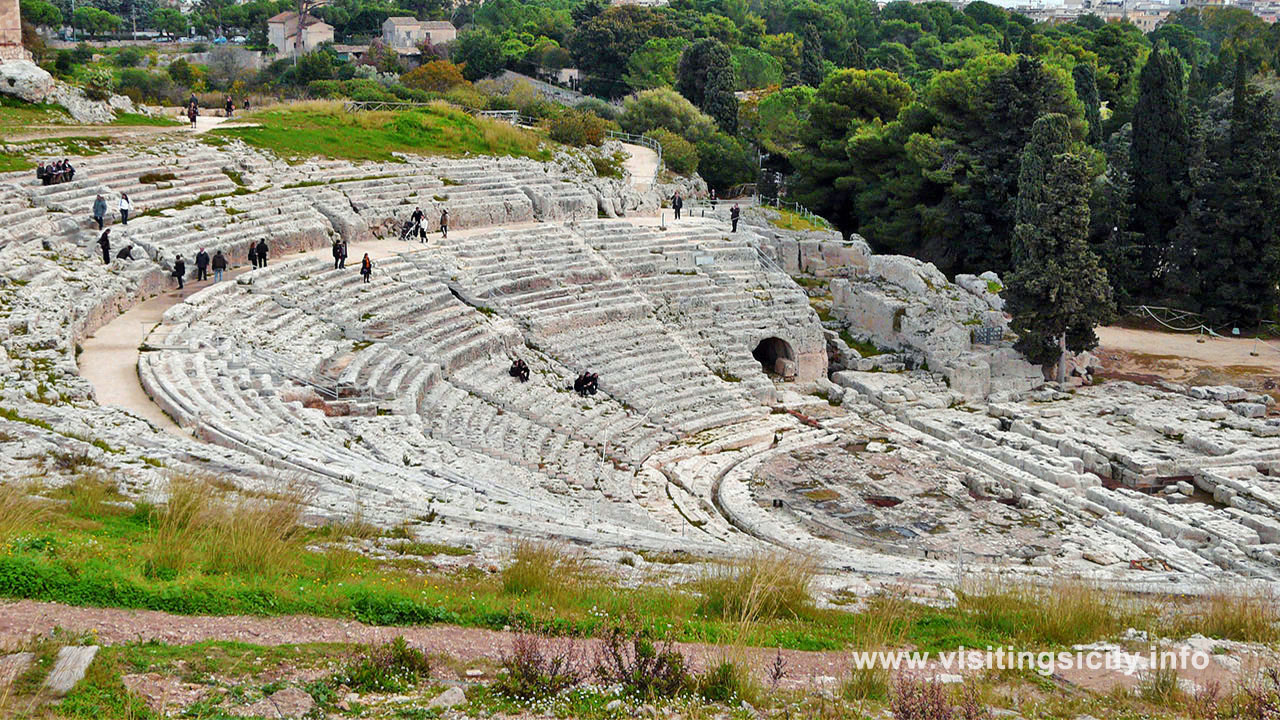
x=811 y=57
x=1057 y=292
x=1159 y=163
x=1086 y=81
x=705 y=77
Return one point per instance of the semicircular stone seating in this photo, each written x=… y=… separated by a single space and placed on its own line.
x=403 y=381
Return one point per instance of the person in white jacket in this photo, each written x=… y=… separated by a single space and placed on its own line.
x=125 y=207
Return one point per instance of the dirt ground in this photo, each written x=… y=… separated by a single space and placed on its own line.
x=1151 y=356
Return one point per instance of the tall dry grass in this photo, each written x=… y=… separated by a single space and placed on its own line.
x=1233 y=614
x=20 y=511
x=536 y=567
x=206 y=526
x=1064 y=612
x=762 y=586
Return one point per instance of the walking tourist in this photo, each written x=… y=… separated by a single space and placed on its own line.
x=734 y=214
x=677 y=202
x=100 y=210
x=179 y=270
x=262 y=252
x=202 y=265
x=125 y=206
x=104 y=242
x=366 y=267
x=444 y=223
x=219 y=264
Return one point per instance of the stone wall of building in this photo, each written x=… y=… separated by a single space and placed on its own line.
x=11 y=32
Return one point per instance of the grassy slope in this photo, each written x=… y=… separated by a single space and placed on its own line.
x=88 y=552
x=324 y=128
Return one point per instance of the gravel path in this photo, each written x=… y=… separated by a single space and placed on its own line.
x=23 y=619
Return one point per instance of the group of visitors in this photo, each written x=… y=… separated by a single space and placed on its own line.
x=519 y=370
x=100 y=209
x=413 y=228
x=677 y=204
x=258 y=253
x=58 y=171
x=193 y=108
x=586 y=384
x=339 y=254
x=218 y=263
x=104 y=242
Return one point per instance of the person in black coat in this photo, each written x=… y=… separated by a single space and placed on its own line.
x=337 y=254
x=219 y=264
x=262 y=253
x=734 y=214
x=366 y=267
x=202 y=265
x=104 y=242
x=253 y=253
x=126 y=253
x=677 y=202
x=179 y=270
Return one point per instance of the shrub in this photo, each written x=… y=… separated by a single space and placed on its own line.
x=916 y=699
x=678 y=154
x=99 y=83
x=181 y=72
x=667 y=109
x=541 y=568
x=324 y=88
x=539 y=667
x=599 y=108
x=724 y=161
x=435 y=76
x=728 y=682
x=626 y=656
x=176 y=528
x=764 y=585
x=1159 y=686
x=577 y=128
x=392 y=667
x=64 y=63
x=128 y=57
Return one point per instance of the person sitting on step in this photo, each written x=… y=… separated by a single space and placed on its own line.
x=519 y=370
x=593 y=383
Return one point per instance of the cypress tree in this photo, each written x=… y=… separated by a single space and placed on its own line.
x=719 y=101
x=1229 y=242
x=1086 y=81
x=1058 y=292
x=1159 y=163
x=811 y=57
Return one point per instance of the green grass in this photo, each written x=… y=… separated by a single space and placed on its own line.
x=791 y=220
x=15 y=114
x=95 y=553
x=140 y=120
x=13 y=162
x=325 y=129
x=864 y=348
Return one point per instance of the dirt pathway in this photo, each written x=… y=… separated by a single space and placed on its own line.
x=643 y=164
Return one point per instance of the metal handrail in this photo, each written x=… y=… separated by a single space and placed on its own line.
x=642 y=141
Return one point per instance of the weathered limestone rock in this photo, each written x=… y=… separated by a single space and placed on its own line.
x=26 y=81
x=69 y=668
x=452 y=697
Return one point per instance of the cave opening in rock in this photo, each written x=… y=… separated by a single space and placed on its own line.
x=770 y=351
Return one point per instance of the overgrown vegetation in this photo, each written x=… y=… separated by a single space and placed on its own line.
x=324 y=128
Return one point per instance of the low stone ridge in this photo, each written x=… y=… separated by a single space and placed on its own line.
x=936 y=455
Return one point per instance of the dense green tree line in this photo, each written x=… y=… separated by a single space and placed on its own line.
x=915 y=125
